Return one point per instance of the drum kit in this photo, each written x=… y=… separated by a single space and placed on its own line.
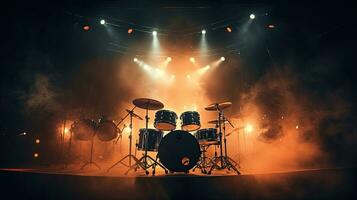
x=177 y=150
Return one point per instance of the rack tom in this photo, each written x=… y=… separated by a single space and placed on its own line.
x=165 y=120
x=190 y=121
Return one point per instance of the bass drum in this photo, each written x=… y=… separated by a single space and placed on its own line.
x=107 y=130
x=179 y=151
x=84 y=129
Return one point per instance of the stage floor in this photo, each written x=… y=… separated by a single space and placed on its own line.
x=52 y=183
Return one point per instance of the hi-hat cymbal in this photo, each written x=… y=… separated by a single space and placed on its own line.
x=216 y=121
x=146 y=103
x=218 y=106
x=134 y=115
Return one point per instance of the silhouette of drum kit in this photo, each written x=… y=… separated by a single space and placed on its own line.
x=177 y=150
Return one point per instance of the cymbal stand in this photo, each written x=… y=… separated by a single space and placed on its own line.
x=143 y=162
x=222 y=161
x=130 y=155
x=90 y=162
x=225 y=141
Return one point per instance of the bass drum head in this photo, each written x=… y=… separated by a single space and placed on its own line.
x=179 y=151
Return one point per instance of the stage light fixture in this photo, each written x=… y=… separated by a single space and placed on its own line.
x=229 y=29
x=102 y=21
x=154 y=33
x=168 y=59
x=192 y=59
x=37 y=141
x=271 y=26
x=223 y=58
x=297 y=127
x=135 y=60
x=252 y=16
x=35 y=155
x=86 y=27
x=203 y=32
x=130 y=30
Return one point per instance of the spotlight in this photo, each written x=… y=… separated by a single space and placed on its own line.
x=203 y=31
x=154 y=33
x=296 y=127
x=37 y=141
x=35 y=155
x=168 y=59
x=86 y=27
x=135 y=60
x=271 y=26
x=229 y=30
x=130 y=30
x=192 y=59
x=248 y=128
x=223 y=58
x=252 y=16
x=102 y=22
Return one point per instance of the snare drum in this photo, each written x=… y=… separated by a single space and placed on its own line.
x=190 y=121
x=153 y=139
x=165 y=120
x=207 y=136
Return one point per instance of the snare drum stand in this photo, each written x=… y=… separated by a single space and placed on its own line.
x=224 y=160
x=90 y=162
x=202 y=163
x=130 y=155
x=143 y=162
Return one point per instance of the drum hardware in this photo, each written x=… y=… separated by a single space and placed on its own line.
x=130 y=155
x=147 y=104
x=90 y=162
x=204 y=161
x=222 y=161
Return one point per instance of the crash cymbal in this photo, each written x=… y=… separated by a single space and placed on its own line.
x=149 y=104
x=218 y=106
x=216 y=121
x=134 y=115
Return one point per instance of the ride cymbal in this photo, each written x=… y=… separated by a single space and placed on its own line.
x=218 y=106
x=149 y=104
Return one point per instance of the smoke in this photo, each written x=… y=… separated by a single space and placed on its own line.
x=295 y=123
x=41 y=95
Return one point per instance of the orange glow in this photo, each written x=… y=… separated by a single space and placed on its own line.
x=65 y=130
x=248 y=128
x=130 y=30
x=37 y=141
x=36 y=155
x=297 y=127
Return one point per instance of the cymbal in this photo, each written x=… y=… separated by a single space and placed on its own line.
x=134 y=115
x=216 y=121
x=149 y=104
x=218 y=106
